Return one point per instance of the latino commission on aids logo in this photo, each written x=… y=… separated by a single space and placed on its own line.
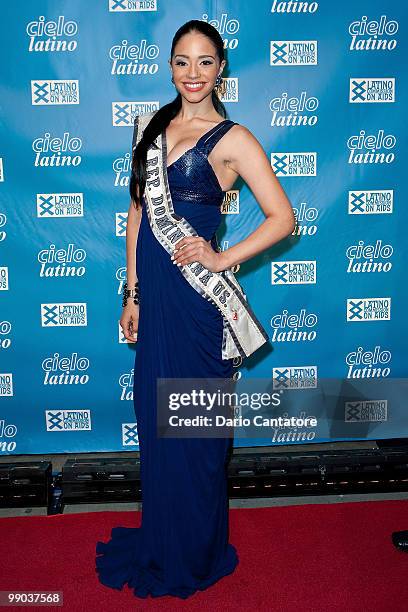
x=4 y=285
x=64 y=314
x=56 y=263
x=294 y=164
x=68 y=420
x=6 y=385
x=293 y=53
x=120 y=223
x=54 y=151
x=124 y=113
x=372 y=35
x=47 y=35
x=294 y=110
x=54 y=92
x=371 y=202
x=132 y=6
x=294 y=377
x=129 y=434
x=229 y=92
x=61 y=205
x=368 y=309
x=230 y=203
x=364 y=90
x=366 y=411
x=300 y=272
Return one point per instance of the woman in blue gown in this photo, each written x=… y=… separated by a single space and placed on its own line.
x=183 y=543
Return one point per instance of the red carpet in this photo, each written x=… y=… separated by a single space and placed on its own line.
x=319 y=558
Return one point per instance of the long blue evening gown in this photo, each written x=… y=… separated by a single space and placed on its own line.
x=182 y=545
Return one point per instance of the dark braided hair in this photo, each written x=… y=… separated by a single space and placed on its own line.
x=164 y=115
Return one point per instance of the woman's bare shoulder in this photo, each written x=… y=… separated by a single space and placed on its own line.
x=241 y=132
x=241 y=139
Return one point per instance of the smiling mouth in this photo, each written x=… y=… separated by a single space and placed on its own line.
x=194 y=86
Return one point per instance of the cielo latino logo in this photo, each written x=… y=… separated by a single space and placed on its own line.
x=121 y=167
x=7 y=431
x=67 y=370
x=227 y=27
x=54 y=151
x=294 y=327
x=369 y=257
x=128 y=58
x=293 y=110
x=371 y=148
x=363 y=363
x=305 y=216
x=292 y=6
x=5 y=334
x=62 y=262
x=3 y=223
x=48 y=35
x=372 y=35
x=126 y=382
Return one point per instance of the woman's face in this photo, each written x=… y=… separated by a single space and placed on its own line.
x=195 y=66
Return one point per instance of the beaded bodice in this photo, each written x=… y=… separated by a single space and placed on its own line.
x=191 y=177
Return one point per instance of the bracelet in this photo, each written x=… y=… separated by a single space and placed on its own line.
x=134 y=293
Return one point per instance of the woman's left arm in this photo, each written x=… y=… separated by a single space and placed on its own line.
x=247 y=158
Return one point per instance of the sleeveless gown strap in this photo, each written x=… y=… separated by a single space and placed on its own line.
x=206 y=144
x=208 y=141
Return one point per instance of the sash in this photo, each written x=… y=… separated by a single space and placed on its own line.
x=242 y=332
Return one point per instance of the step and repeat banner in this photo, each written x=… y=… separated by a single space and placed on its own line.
x=321 y=86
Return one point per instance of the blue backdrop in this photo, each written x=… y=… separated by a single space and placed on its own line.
x=320 y=84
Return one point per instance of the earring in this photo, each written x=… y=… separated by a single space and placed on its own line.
x=172 y=79
x=218 y=81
